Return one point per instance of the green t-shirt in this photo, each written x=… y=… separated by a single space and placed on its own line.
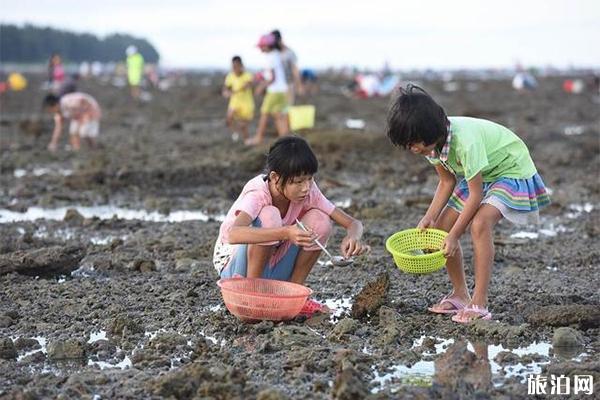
x=478 y=145
x=135 y=64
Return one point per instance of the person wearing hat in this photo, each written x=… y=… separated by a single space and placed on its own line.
x=135 y=70
x=275 y=85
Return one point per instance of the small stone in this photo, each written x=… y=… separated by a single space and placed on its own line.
x=143 y=265
x=567 y=337
x=6 y=321
x=8 y=351
x=124 y=323
x=65 y=349
x=73 y=217
x=270 y=394
x=344 y=327
x=27 y=344
x=185 y=264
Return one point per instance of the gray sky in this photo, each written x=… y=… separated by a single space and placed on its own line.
x=408 y=34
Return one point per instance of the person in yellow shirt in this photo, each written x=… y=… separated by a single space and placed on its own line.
x=238 y=88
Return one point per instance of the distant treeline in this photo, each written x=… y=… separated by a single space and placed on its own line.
x=35 y=44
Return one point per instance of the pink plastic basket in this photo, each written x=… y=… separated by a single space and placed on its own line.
x=252 y=299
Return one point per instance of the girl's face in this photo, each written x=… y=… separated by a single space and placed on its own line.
x=297 y=188
x=421 y=148
x=238 y=68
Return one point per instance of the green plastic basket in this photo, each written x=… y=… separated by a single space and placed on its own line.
x=406 y=245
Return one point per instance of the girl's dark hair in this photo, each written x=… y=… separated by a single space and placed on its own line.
x=237 y=59
x=415 y=117
x=291 y=156
x=50 y=100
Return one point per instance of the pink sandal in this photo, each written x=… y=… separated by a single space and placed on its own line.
x=480 y=313
x=311 y=307
x=455 y=302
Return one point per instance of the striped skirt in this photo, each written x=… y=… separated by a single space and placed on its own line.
x=519 y=200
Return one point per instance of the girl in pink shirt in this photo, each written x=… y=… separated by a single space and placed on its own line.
x=259 y=237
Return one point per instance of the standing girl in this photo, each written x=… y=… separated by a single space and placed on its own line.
x=496 y=179
x=275 y=102
x=259 y=237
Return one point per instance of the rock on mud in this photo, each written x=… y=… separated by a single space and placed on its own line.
x=66 y=349
x=196 y=381
x=586 y=316
x=73 y=217
x=49 y=261
x=271 y=394
x=462 y=370
x=389 y=325
x=8 y=351
x=567 y=337
x=349 y=382
x=123 y=324
x=498 y=330
x=343 y=327
x=371 y=297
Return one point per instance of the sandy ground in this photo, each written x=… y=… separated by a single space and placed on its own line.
x=117 y=298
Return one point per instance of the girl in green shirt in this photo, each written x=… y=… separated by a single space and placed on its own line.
x=486 y=174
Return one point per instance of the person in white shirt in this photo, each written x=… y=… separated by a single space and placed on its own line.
x=292 y=73
x=275 y=84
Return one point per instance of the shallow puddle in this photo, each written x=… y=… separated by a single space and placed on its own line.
x=339 y=307
x=105 y=212
x=20 y=173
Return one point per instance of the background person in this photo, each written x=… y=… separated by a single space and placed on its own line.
x=83 y=111
x=275 y=101
x=238 y=88
x=135 y=70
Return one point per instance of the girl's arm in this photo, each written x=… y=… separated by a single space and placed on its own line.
x=243 y=232
x=262 y=86
x=351 y=245
x=471 y=206
x=442 y=194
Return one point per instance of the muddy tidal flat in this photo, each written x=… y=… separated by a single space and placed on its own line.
x=107 y=289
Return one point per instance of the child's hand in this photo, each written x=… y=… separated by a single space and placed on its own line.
x=351 y=246
x=426 y=222
x=450 y=246
x=300 y=237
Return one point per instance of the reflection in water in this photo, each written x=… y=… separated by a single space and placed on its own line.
x=485 y=369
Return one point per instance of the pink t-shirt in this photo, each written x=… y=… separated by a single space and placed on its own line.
x=78 y=105
x=256 y=195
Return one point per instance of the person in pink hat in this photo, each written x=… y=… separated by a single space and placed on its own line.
x=275 y=85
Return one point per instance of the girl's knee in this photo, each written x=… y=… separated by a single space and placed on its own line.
x=320 y=223
x=270 y=217
x=480 y=227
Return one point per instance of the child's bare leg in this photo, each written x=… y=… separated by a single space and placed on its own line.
x=229 y=118
x=243 y=128
x=257 y=258
x=483 y=250
x=454 y=265
x=75 y=141
x=305 y=261
x=260 y=129
x=281 y=123
x=319 y=223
